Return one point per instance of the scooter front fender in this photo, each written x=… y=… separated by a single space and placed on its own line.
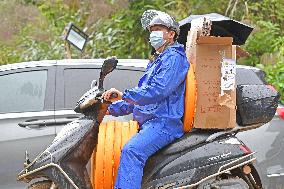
x=64 y=161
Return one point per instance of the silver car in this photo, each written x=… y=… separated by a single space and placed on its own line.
x=37 y=99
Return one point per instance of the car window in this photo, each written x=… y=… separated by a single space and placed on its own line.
x=122 y=79
x=78 y=81
x=23 y=91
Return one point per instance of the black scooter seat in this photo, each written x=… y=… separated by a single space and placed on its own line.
x=174 y=150
x=189 y=140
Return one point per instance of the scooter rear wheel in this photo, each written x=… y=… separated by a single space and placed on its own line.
x=44 y=184
x=236 y=183
x=105 y=160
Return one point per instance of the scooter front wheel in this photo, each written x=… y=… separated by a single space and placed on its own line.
x=44 y=184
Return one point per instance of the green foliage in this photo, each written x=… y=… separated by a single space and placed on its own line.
x=275 y=76
x=122 y=34
x=29 y=2
x=266 y=40
x=38 y=35
x=268 y=10
x=8 y=55
x=42 y=39
x=119 y=36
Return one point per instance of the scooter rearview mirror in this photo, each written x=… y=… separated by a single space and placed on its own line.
x=108 y=66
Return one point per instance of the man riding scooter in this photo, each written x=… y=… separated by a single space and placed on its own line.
x=200 y=159
x=157 y=103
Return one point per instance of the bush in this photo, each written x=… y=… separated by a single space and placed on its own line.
x=275 y=76
x=266 y=40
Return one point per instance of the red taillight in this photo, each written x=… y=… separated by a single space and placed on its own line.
x=245 y=149
x=280 y=112
x=272 y=88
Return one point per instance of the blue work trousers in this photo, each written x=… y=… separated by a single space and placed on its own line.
x=138 y=149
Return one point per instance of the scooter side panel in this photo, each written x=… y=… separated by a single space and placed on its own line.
x=190 y=165
x=66 y=140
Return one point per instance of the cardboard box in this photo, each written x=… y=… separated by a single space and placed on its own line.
x=212 y=110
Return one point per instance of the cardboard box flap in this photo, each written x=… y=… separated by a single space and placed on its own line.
x=214 y=40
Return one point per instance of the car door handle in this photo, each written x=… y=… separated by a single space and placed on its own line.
x=65 y=120
x=37 y=123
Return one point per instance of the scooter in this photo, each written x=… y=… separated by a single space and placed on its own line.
x=200 y=159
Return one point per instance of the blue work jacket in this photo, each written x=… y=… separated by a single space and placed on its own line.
x=159 y=96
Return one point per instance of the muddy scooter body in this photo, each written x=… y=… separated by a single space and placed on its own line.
x=200 y=159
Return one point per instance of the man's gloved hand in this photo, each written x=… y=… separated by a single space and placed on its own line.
x=107 y=95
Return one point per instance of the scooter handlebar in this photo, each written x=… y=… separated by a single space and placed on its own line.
x=113 y=95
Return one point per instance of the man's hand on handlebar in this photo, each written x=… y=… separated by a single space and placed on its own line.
x=112 y=95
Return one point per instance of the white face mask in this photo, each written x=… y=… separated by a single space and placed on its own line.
x=157 y=39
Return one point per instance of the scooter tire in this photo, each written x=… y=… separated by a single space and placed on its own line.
x=44 y=184
x=236 y=183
